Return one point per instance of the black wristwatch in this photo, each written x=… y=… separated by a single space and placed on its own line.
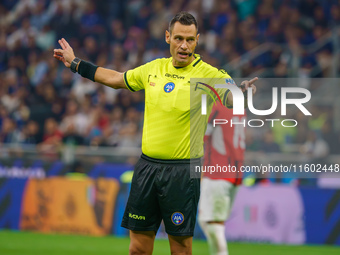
x=74 y=64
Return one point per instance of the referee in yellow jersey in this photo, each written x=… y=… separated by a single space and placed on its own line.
x=161 y=188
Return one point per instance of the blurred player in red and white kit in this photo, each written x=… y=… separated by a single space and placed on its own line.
x=224 y=147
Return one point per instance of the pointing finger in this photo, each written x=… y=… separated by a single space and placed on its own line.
x=253 y=80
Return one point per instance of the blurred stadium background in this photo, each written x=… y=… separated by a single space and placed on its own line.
x=57 y=129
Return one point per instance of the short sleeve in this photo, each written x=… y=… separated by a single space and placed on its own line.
x=135 y=79
x=223 y=92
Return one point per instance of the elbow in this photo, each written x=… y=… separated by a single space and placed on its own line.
x=113 y=83
x=118 y=85
x=115 y=86
x=118 y=81
x=111 y=79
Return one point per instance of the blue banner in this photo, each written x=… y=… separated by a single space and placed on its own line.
x=322 y=215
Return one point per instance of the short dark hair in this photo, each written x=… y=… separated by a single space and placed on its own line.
x=185 y=18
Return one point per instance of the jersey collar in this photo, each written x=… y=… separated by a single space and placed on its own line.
x=192 y=64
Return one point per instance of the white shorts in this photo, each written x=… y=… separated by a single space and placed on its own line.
x=216 y=199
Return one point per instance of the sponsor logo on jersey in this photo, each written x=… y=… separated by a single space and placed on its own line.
x=175 y=76
x=170 y=86
x=136 y=217
x=177 y=218
x=230 y=81
x=152 y=84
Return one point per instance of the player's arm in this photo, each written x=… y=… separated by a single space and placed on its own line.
x=110 y=78
x=244 y=86
x=102 y=75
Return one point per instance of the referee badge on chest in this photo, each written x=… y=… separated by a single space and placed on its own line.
x=170 y=86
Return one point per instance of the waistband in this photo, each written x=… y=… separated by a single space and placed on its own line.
x=171 y=161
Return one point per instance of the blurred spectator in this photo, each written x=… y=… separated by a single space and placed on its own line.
x=4 y=54
x=91 y=49
x=117 y=33
x=39 y=17
x=83 y=87
x=21 y=115
x=246 y=8
x=10 y=133
x=10 y=99
x=111 y=133
x=315 y=148
x=52 y=137
x=268 y=145
x=77 y=171
x=74 y=121
x=252 y=144
x=317 y=120
x=99 y=121
x=71 y=136
x=64 y=88
x=91 y=21
x=46 y=38
x=31 y=133
x=284 y=135
x=330 y=137
x=20 y=37
x=129 y=136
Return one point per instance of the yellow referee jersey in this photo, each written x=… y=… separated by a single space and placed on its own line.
x=166 y=131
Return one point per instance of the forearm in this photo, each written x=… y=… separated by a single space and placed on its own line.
x=108 y=77
x=230 y=99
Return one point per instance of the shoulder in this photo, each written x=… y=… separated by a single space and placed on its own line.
x=211 y=71
x=155 y=63
x=158 y=61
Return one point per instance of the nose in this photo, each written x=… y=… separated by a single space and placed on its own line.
x=184 y=45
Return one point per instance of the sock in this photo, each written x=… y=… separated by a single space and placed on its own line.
x=215 y=234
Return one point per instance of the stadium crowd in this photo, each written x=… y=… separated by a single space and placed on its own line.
x=43 y=103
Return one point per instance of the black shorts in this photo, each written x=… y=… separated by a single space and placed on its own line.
x=163 y=190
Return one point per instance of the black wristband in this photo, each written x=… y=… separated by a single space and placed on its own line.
x=87 y=70
x=245 y=94
x=74 y=64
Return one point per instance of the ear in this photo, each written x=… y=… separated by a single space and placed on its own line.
x=167 y=37
x=197 y=37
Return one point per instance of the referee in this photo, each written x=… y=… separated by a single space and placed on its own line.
x=162 y=188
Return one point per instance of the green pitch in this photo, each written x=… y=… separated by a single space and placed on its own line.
x=25 y=243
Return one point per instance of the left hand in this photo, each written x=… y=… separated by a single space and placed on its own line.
x=248 y=84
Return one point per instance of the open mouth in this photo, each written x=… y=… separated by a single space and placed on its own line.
x=183 y=54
